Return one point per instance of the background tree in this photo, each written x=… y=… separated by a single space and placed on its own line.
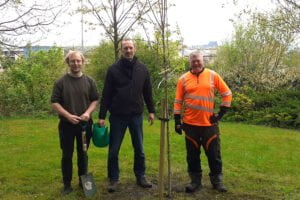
x=290 y=13
x=100 y=58
x=263 y=71
x=22 y=18
x=118 y=17
x=254 y=56
x=287 y=13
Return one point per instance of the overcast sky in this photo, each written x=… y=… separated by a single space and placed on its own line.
x=199 y=22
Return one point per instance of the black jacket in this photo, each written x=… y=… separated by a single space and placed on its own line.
x=127 y=85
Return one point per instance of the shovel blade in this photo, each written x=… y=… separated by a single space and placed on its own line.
x=88 y=184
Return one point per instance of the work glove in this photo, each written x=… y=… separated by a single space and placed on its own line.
x=178 y=124
x=216 y=117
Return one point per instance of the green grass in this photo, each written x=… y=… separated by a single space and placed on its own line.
x=258 y=163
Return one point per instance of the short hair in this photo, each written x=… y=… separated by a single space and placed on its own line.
x=128 y=39
x=195 y=54
x=74 y=52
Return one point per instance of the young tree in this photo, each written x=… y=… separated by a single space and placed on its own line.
x=159 y=14
x=118 y=17
x=20 y=18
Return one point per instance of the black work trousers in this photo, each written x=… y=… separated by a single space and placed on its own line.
x=208 y=138
x=68 y=133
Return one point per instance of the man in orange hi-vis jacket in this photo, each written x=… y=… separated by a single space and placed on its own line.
x=194 y=101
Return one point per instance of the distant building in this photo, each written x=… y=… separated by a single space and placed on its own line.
x=27 y=50
x=209 y=50
x=209 y=45
x=13 y=53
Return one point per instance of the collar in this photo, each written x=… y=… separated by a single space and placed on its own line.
x=128 y=63
x=75 y=76
x=197 y=73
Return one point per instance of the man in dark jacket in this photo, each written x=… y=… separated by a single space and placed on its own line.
x=127 y=86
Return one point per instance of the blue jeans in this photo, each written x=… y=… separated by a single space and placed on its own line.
x=118 y=128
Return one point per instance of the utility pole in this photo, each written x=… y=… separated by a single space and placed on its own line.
x=82 y=26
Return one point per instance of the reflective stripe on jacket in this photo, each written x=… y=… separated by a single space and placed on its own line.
x=195 y=96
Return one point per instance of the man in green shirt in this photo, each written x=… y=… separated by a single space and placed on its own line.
x=74 y=98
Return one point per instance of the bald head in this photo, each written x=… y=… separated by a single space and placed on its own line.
x=196 y=61
x=196 y=54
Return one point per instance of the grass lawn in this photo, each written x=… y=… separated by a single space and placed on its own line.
x=258 y=163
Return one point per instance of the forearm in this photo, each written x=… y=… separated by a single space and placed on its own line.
x=107 y=96
x=74 y=119
x=148 y=98
x=223 y=110
x=91 y=108
x=150 y=106
x=103 y=110
x=60 y=110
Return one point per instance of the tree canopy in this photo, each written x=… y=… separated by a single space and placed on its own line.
x=20 y=19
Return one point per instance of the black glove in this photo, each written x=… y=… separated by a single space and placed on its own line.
x=216 y=117
x=178 y=124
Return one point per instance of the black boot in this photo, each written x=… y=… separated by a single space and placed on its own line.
x=67 y=189
x=217 y=183
x=143 y=182
x=195 y=183
x=80 y=184
x=112 y=186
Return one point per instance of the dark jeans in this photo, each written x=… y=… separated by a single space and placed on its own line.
x=67 y=134
x=118 y=128
x=208 y=138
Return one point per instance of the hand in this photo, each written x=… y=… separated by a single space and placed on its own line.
x=178 y=129
x=178 y=124
x=151 y=118
x=85 y=117
x=101 y=122
x=74 y=119
x=216 y=117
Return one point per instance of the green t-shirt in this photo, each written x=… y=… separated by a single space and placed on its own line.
x=74 y=94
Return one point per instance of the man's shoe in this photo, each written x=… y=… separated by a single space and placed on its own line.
x=195 y=183
x=217 y=183
x=192 y=187
x=142 y=181
x=80 y=185
x=66 y=190
x=219 y=187
x=112 y=187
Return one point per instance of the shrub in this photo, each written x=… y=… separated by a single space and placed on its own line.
x=279 y=109
x=27 y=85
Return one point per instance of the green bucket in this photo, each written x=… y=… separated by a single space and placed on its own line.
x=100 y=135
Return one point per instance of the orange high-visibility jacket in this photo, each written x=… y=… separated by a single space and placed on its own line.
x=195 y=96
